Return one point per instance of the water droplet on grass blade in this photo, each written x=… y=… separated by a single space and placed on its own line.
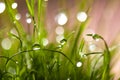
x=28 y=20
x=59 y=30
x=2 y=7
x=45 y=0
x=82 y=16
x=14 y=5
x=59 y=38
x=27 y=15
x=92 y=47
x=6 y=43
x=16 y=62
x=63 y=41
x=18 y=16
x=13 y=31
x=79 y=64
x=45 y=41
x=82 y=55
x=68 y=78
x=61 y=19
x=36 y=47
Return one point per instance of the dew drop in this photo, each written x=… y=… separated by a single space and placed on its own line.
x=2 y=7
x=63 y=41
x=45 y=41
x=6 y=43
x=13 y=31
x=16 y=62
x=68 y=78
x=59 y=38
x=18 y=16
x=14 y=5
x=36 y=47
x=59 y=30
x=82 y=16
x=61 y=19
x=79 y=64
x=28 y=20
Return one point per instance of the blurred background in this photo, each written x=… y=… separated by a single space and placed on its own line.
x=104 y=16
x=64 y=15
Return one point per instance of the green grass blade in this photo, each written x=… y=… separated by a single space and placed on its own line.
x=39 y=50
x=30 y=7
x=16 y=23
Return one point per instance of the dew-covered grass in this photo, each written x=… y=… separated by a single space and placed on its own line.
x=31 y=57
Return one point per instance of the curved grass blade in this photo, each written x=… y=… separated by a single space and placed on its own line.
x=18 y=39
x=106 y=72
x=39 y=50
x=30 y=7
x=15 y=22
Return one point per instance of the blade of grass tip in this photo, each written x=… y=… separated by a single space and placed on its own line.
x=106 y=58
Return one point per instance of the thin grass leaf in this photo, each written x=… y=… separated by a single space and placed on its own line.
x=21 y=43
x=12 y=14
x=30 y=7
x=7 y=58
x=82 y=43
x=38 y=50
x=39 y=12
x=106 y=72
x=78 y=35
x=93 y=76
x=93 y=53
